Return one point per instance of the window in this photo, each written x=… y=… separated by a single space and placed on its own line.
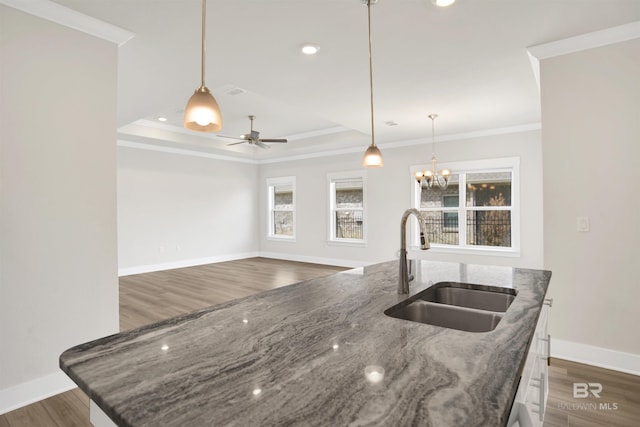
x=282 y=202
x=477 y=211
x=347 y=198
x=450 y=217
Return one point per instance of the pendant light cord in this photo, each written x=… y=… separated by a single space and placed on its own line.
x=433 y=134
x=204 y=42
x=373 y=141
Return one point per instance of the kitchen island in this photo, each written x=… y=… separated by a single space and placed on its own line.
x=320 y=352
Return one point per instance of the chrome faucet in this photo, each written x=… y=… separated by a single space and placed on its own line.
x=403 y=282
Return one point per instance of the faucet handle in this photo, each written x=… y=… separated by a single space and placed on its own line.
x=424 y=244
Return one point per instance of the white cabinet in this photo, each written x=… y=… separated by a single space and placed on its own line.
x=99 y=418
x=531 y=398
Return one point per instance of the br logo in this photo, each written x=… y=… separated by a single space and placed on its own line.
x=582 y=390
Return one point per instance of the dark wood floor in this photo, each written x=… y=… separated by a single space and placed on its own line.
x=149 y=297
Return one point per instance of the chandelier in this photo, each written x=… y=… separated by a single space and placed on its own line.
x=428 y=178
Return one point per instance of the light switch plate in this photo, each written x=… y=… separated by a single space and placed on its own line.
x=583 y=224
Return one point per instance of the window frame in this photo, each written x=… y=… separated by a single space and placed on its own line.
x=272 y=183
x=332 y=179
x=506 y=164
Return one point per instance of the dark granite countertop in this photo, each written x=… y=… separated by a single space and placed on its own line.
x=298 y=355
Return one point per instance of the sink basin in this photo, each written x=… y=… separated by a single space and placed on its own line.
x=447 y=316
x=471 y=296
x=462 y=306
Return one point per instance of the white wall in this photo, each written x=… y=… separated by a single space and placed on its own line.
x=389 y=194
x=591 y=152
x=176 y=210
x=58 y=260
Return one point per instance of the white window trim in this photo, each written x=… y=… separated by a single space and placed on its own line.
x=331 y=221
x=486 y=165
x=271 y=184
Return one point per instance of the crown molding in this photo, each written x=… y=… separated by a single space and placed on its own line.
x=586 y=41
x=70 y=18
x=328 y=153
x=170 y=128
x=319 y=132
x=465 y=135
x=579 y=43
x=408 y=143
x=177 y=129
x=182 y=151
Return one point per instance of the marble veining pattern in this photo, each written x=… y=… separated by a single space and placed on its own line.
x=297 y=356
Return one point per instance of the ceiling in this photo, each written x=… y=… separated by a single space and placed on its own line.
x=468 y=63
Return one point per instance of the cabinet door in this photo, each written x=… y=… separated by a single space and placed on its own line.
x=521 y=411
x=536 y=393
x=531 y=398
x=539 y=386
x=520 y=416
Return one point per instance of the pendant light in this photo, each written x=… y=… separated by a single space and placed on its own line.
x=428 y=177
x=202 y=112
x=372 y=157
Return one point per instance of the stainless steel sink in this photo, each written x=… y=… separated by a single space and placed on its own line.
x=462 y=306
x=447 y=316
x=472 y=296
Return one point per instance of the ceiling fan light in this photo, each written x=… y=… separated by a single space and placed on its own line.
x=202 y=112
x=372 y=157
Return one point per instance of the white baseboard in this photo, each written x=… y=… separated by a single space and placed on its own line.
x=32 y=391
x=315 y=260
x=221 y=258
x=596 y=356
x=183 y=263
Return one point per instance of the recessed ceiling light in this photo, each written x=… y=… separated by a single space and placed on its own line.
x=310 y=49
x=162 y=119
x=443 y=3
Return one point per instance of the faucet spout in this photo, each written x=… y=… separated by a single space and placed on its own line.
x=403 y=282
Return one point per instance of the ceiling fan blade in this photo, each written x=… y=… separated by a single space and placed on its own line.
x=261 y=145
x=254 y=134
x=232 y=137
x=272 y=140
x=236 y=143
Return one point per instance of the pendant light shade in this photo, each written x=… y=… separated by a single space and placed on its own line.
x=372 y=157
x=202 y=112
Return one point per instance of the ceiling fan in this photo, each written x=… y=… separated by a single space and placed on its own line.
x=253 y=137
